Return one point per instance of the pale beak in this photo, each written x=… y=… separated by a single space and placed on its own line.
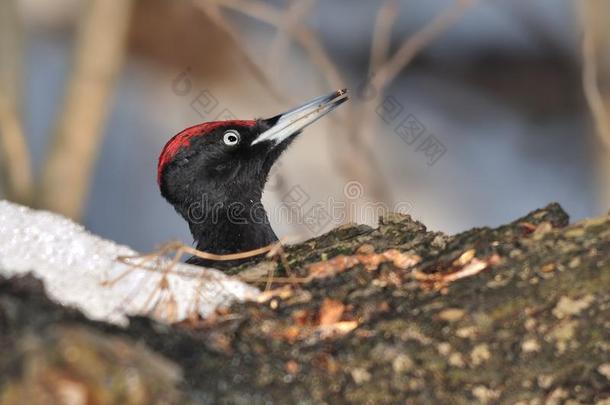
x=292 y=122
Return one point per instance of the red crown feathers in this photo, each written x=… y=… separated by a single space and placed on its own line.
x=183 y=140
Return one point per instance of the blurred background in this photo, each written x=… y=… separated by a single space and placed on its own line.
x=463 y=113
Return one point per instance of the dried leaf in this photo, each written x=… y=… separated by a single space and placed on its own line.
x=528 y=227
x=465 y=258
x=331 y=267
x=474 y=267
x=439 y=281
x=291 y=333
x=331 y=312
x=370 y=261
x=543 y=227
x=548 y=268
x=337 y=329
x=301 y=316
x=401 y=260
x=366 y=249
x=283 y=293
x=291 y=367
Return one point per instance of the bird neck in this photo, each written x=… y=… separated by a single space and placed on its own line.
x=233 y=226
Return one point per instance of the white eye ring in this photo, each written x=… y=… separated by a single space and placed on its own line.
x=231 y=137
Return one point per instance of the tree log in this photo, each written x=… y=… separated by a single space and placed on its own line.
x=397 y=314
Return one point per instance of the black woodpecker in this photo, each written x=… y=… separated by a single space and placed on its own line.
x=214 y=175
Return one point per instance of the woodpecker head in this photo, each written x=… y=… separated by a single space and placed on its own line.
x=228 y=161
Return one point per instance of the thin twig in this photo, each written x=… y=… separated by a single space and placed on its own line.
x=181 y=249
x=303 y=35
x=383 y=72
x=296 y=11
x=352 y=158
x=162 y=291
x=213 y=12
x=142 y=261
x=416 y=42
x=355 y=159
x=382 y=34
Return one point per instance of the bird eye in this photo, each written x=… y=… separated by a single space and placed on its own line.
x=231 y=138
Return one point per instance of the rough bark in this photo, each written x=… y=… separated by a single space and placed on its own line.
x=527 y=323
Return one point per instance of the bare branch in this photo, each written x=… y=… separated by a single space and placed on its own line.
x=355 y=159
x=15 y=157
x=383 y=71
x=590 y=50
x=16 y=161
x=97 y=61
x=596 y=70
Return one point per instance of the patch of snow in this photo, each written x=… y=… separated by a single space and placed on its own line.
x=76 y=267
